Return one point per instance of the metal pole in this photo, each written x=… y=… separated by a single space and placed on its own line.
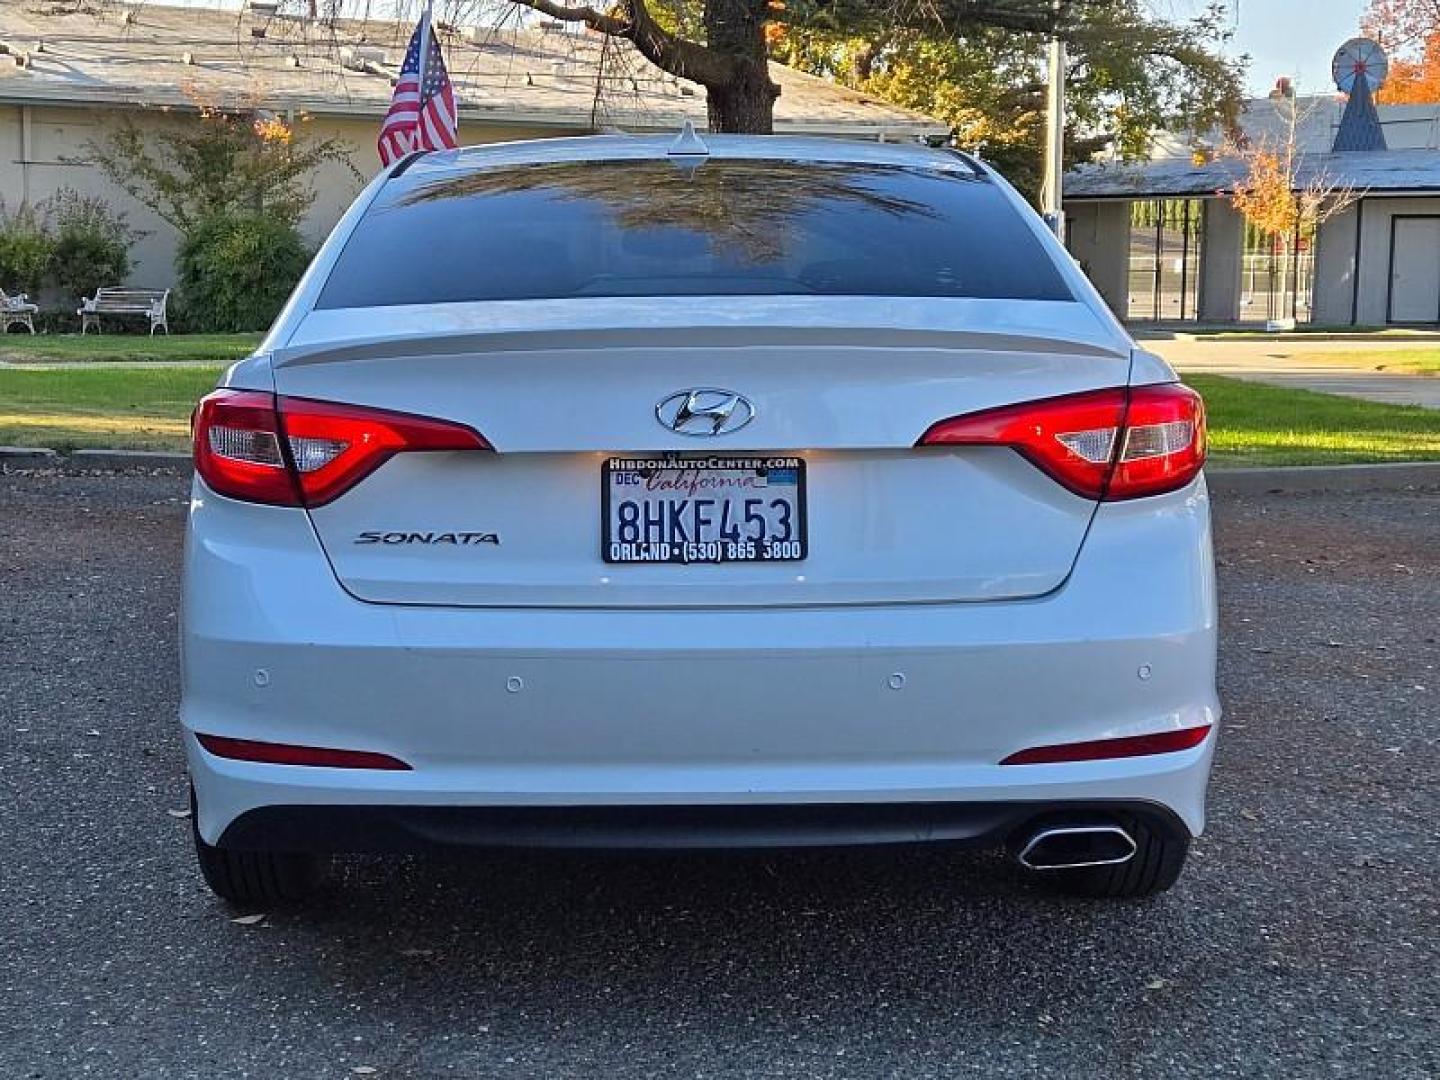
x=424 y=51
x=1052 y=194
x=1184 y=256
x=1159 y=255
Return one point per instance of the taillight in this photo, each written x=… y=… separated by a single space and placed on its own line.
x=1164 y=443
x=296 y=452
x=1103 y=444
x=1164 y=742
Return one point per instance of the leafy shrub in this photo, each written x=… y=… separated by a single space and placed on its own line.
x=91 y=246
x=26 y=246
x=236 y=271
x=218 y=161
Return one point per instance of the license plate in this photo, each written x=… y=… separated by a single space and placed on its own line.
x=697 y=509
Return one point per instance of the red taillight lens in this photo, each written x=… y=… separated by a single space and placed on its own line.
x=1071 y=438
x=334 y=447
x=297 y=452
x=286 y=754
x=1164 y=444
x=1166 y=742
x=237 y=448
x=1104 y=444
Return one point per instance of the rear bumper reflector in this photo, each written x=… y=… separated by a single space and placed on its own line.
x=285 y=754
x=1166 y=742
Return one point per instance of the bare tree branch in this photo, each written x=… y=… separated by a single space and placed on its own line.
x=606 y=24
x=684 y=59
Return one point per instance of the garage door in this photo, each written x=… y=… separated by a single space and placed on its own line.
x=1415 y=270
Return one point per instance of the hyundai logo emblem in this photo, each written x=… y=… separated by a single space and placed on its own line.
x=704 y=410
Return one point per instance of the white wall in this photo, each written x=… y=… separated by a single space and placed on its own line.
x=54 y=159
x=1335 y=260
x=1098 y=234
x=1222 y=245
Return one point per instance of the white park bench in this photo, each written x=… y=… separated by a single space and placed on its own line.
x=16 y=309
x=119 y=301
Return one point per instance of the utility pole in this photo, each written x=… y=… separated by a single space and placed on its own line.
x=1051 y=191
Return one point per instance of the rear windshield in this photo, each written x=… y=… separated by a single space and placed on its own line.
x=655 y=228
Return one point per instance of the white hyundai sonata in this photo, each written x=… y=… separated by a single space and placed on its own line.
x=615 y=492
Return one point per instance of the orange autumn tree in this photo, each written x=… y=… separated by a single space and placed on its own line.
x=1410 y=32
x=1281 y=195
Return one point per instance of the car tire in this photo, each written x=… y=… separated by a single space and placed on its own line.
x=1159 y=857
x=256 y=878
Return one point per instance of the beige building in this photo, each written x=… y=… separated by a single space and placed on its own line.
x=66 y=77
x=1163 y=245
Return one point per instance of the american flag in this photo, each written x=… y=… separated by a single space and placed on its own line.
x=422 y=111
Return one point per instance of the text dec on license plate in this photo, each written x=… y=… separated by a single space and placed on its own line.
x=699 y=509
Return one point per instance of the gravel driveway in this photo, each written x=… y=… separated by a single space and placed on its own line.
x=1301 y=942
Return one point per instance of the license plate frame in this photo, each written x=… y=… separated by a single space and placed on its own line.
x=719 y=551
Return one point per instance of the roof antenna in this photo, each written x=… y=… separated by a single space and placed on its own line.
x=688 y=144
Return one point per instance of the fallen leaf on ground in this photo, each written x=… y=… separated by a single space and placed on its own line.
x=248 y=920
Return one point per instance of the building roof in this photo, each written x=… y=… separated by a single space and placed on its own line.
x=151 y=55
x=1389 y=172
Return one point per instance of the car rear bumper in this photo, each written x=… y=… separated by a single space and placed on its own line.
x=868 y=706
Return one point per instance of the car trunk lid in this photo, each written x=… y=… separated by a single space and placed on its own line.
x=558 y=388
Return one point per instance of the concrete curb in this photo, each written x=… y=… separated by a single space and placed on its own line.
x=27 y=457
x=1397 y=476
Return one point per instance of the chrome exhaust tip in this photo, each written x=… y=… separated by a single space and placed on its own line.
x=1070 y=847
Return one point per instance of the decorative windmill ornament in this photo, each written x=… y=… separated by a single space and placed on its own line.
x=1359 y=69
x=1359 y=58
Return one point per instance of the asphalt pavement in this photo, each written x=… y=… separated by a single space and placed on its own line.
x=1322 y=366
x=1303 y=940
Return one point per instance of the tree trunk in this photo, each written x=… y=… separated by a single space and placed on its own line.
x=745 y=107
x=745 y=103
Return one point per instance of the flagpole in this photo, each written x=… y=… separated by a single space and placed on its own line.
x=424 y=44
x=1052 y=197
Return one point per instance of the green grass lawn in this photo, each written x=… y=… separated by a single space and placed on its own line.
x=1250 y=424
x=120 y=408
x=1254 y=424
x=1417 y=361
x=22 y=348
